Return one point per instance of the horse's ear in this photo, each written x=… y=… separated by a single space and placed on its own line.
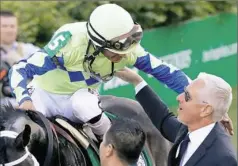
x=24 y=137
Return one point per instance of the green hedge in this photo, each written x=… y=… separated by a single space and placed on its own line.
x=38 y=20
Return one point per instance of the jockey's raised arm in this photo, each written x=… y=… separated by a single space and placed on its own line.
x=167 y=74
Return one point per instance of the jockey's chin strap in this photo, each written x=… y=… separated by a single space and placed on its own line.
x=90 y=58
x=13 y=135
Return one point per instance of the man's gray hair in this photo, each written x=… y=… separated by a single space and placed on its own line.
x=218 y=93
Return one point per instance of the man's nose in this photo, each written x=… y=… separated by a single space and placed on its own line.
x=179 y=98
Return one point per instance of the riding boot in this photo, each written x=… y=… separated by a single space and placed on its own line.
x=99 y=138
x=100 y=125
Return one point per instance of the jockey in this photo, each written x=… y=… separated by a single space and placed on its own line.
x=79 y=57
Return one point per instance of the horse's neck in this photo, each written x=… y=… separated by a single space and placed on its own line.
x=69 y=154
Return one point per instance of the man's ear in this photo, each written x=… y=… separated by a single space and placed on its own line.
x=206 y=111
x=109 y=150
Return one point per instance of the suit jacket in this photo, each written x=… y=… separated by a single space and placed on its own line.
x=215 y=150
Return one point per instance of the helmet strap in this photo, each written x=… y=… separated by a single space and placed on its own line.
x=90 y=58
x=103 y=42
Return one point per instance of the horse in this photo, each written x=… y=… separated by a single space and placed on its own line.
x=30 y=136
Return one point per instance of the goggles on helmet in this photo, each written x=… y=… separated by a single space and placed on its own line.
x=130 y=38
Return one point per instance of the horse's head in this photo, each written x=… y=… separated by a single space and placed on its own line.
x=16 y=132
x=27 y=133
x=14 y=150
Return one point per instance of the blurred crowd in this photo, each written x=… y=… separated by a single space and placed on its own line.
x=11 y=50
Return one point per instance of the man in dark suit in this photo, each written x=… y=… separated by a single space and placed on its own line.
x=198 y=136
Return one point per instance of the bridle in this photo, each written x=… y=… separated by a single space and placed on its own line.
x=13 y=135
x=35 y=116
x=50 y=129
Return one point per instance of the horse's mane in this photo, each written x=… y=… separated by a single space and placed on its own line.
x=7 y=108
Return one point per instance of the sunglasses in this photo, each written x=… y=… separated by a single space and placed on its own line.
x=187 y=95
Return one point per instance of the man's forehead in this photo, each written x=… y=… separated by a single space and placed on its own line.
x=197 y=83
x=8 y=19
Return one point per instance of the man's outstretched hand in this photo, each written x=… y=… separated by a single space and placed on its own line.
x=129 y=75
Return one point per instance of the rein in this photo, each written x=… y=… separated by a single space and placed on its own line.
x=51 y=130
x=50 y=135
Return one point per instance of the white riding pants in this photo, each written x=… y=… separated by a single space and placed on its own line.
x=81 y=106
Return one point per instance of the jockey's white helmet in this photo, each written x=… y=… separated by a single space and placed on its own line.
x=112 y=27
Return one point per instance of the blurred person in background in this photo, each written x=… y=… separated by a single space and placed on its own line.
x=122 y=144
x=11 y=51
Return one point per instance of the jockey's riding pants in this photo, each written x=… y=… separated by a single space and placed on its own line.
x=81 y=106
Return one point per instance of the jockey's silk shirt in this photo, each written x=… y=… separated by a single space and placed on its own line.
x=69 y=45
